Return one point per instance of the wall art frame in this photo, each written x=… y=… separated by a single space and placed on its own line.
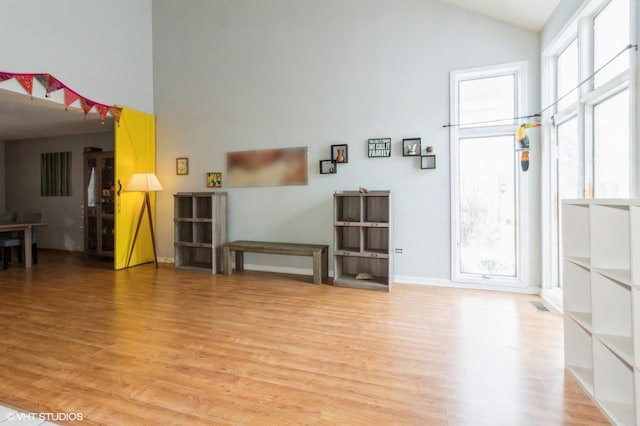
x=411 y=147
x=182 y=166
x=214 y=180
x=340 y=153
x=379 y=148
x=267 y=167
x=328 y=167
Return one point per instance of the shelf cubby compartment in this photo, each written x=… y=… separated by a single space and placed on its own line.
x=575 y=231
x=577 y=290
x=202 y=232
x=376 y=240
x=184 y=206
x=376 y=208
x=347 y=239
x=578 y=358
x=634 y=235
x=348 y=208
x=203 y=207
x=612 y=316
x=189 y=256
x=609 y=239
x=613 y=384
x=348 y=267
x=183 y=231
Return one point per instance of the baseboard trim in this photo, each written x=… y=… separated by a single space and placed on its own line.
x=438 y=282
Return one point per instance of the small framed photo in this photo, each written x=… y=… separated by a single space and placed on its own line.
x=328 y=167
x=380 y=147
x=411 y=147
x=340 y=153
x=214 y=180
x=428 y=162
x=182 y=166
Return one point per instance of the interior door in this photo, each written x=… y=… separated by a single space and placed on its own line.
x=134 y=153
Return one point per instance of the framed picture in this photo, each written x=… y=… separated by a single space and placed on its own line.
x=328 y=167
x=182 y=166
x=214 y=180
x=428 y=162
x=379 y=147
x=340 y=153
x=268 y=167
x=411 y=147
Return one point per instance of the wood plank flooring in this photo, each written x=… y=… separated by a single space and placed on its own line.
x=146 y=346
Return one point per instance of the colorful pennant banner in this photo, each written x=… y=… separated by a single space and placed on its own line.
x=52 y=84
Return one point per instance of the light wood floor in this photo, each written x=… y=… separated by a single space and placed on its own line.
x=146 y=346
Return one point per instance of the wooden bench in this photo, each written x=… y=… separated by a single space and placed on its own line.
x=318 y=252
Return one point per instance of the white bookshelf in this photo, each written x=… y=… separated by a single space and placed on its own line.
x=601 y=282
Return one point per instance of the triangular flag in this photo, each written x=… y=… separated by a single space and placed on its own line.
x=115 y=113
x=69 y=97
x=26 y=81
x=102 y=110
x=86 y=105
x=42 y=79
x=5 y=76
x=54 y=83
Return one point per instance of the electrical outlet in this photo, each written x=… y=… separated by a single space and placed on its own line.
x=399 y=250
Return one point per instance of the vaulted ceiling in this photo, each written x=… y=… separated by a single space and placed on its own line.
x=524 y=13
x=22 y=117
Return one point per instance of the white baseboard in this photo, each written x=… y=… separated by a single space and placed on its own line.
x=437 y=282
x=399 y=279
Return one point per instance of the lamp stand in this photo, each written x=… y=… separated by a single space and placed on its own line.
x=146 y=204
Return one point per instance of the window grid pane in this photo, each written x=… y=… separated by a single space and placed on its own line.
x=568 y=76
x=487 y=101
x=611 y=146
x=611 y=35
x=487 y=213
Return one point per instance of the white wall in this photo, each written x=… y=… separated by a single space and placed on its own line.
x=62 y=214
x=254 y=74
x=557 y=21
x=100 y=49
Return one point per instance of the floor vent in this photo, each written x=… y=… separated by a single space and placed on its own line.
x=540 y=306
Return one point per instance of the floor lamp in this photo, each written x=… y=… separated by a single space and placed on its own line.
x=144 y=182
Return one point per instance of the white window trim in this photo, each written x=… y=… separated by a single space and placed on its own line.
x=519 y=70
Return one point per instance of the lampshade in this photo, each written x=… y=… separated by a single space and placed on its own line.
x=144 y=182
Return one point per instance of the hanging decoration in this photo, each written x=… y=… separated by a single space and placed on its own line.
x=523 y=141
x=52 y=84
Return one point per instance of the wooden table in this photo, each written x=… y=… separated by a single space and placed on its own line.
x=27 y=227
x=318 y=252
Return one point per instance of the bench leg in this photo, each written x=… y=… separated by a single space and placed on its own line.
x=317 y=267
x=226 y=260
x=325 y=265
x=239 y=260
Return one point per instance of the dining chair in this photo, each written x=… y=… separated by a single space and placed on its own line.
x=30 y=217
x=6 y=242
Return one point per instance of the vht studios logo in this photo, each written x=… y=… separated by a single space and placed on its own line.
x=48 y=417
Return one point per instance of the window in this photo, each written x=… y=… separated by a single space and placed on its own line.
x=487 y=232
x=568 y=76
x=611 y=147
x=588 y=150
x=55 y=174
x=610 y=36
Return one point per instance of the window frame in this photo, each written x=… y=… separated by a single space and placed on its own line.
x=519 y=70
x=580 y=26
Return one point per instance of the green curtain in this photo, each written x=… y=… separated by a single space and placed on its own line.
x=55 y=174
